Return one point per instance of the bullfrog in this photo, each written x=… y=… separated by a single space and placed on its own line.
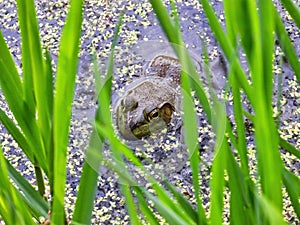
x=149 y=102
x=148 y=117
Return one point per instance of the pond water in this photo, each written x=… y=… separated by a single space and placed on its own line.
x=140 y=29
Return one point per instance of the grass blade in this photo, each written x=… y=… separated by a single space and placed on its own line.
x=9 y=80
x=168 y=213
x=16 y=134
x=49 y=96
x=286 y=45
x=293 y=10
x=88 y=182
x=65 y=81
x=169 y=203
x=189 y=77
x=217 y=184
x=24 y=111
x=166 y=23
x=12 y=88
x=240 y=126
x=32 y=198
x=144 y=207
x=271 y=212
x=288 y=147
x=267 y=142
x=226 y=46
x=33 y=68
x=10 y=199
x=240 y=209
x=292 y=184
x=130 y=204
x=34 y=86
x=84 y=203
x=184 y=204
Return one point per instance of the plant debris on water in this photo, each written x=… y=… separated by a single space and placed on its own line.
x=141 y=26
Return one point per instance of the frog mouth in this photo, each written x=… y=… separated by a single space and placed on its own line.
x=146 y=129
x=153 y=121
x=141 y=130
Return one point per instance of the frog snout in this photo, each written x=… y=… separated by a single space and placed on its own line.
x=137 y=121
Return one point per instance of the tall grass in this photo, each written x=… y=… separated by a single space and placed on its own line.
x=251 y=27
x=42 y=111
x=41 y=107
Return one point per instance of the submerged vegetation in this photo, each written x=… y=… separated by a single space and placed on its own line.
x=41 y=106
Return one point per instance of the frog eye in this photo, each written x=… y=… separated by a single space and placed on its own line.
x=153 y=114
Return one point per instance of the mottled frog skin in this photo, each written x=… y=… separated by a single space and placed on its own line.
x=149 y=102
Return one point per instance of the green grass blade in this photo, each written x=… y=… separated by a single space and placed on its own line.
x=26 y=35
x=9 y=80
x=245 y=24
x=267 y=48
x=283 y=143
x=88 y=182
x=184 y=204
x=16 y=134
x=169 y=203
x=189 y=77
x=226 y=46
x=12 y=88
x=292 y=184
x=104 y=88
x=10 y=199
x=118 y=147
x=89 y=178
x=166 y=23
x=293 y=10
x=286 y=45
x=289 y=147
x=22 y=142
x=231 y=19
x=191 y=140
x=32 y=198
x=34 y=85
x=261 y=70
x=33 y=67
x=130 y=204
x=49 y=96
x=168 y=213
x=123 y=173
x=271 y=212
x=240 y=126
x=240 y=205
x=219 y=122
x=144 y=207
x=65 y=81
x=217 y=184
x=105 y=130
